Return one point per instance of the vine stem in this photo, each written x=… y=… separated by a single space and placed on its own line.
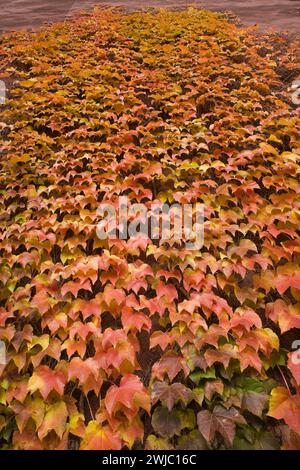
x=284 y=379
x=90 y=408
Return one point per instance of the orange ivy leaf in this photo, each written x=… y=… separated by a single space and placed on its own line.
x=287 y=316
x=130 y=394
x=285 y=406
x=170 y=364
x=97 y=437
x=45 y=380
x=282 y=283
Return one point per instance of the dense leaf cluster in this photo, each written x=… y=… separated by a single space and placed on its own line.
x=139 y=343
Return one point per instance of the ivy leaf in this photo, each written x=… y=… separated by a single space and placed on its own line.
x=287 y=316
x=197 y=394
x=82 y=370
x=223 y=355
x=213 y=386
x=206 y=425
x=192 y=441
x=132 y=320
x=263 y=441
x=87 y=307
x=220 y=420
x=130 y=394
x=282 y=283
x=45 y=380
x=97 y=437
x=166 y=423
x=75 y=286
x=170 y=364
x=55 y=420
x=31 y=408
x=27 y=440
x=168 y=395
x=199 y=375
x=291 y=440
x=250 y=384
x=285 y=406
x=166 y=290
x=254 y=402
x=76 y=425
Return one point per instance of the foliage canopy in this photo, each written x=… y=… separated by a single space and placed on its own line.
x=122 y=343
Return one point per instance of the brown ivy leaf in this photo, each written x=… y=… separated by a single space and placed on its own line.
x=254 y=402
x=168 y=395
x=221 y=420
x=213 y=386
x=166 y=423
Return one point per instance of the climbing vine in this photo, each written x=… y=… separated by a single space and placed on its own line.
x=139 y=343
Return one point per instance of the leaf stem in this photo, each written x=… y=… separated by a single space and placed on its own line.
x=284 y=379
x=90 y=408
